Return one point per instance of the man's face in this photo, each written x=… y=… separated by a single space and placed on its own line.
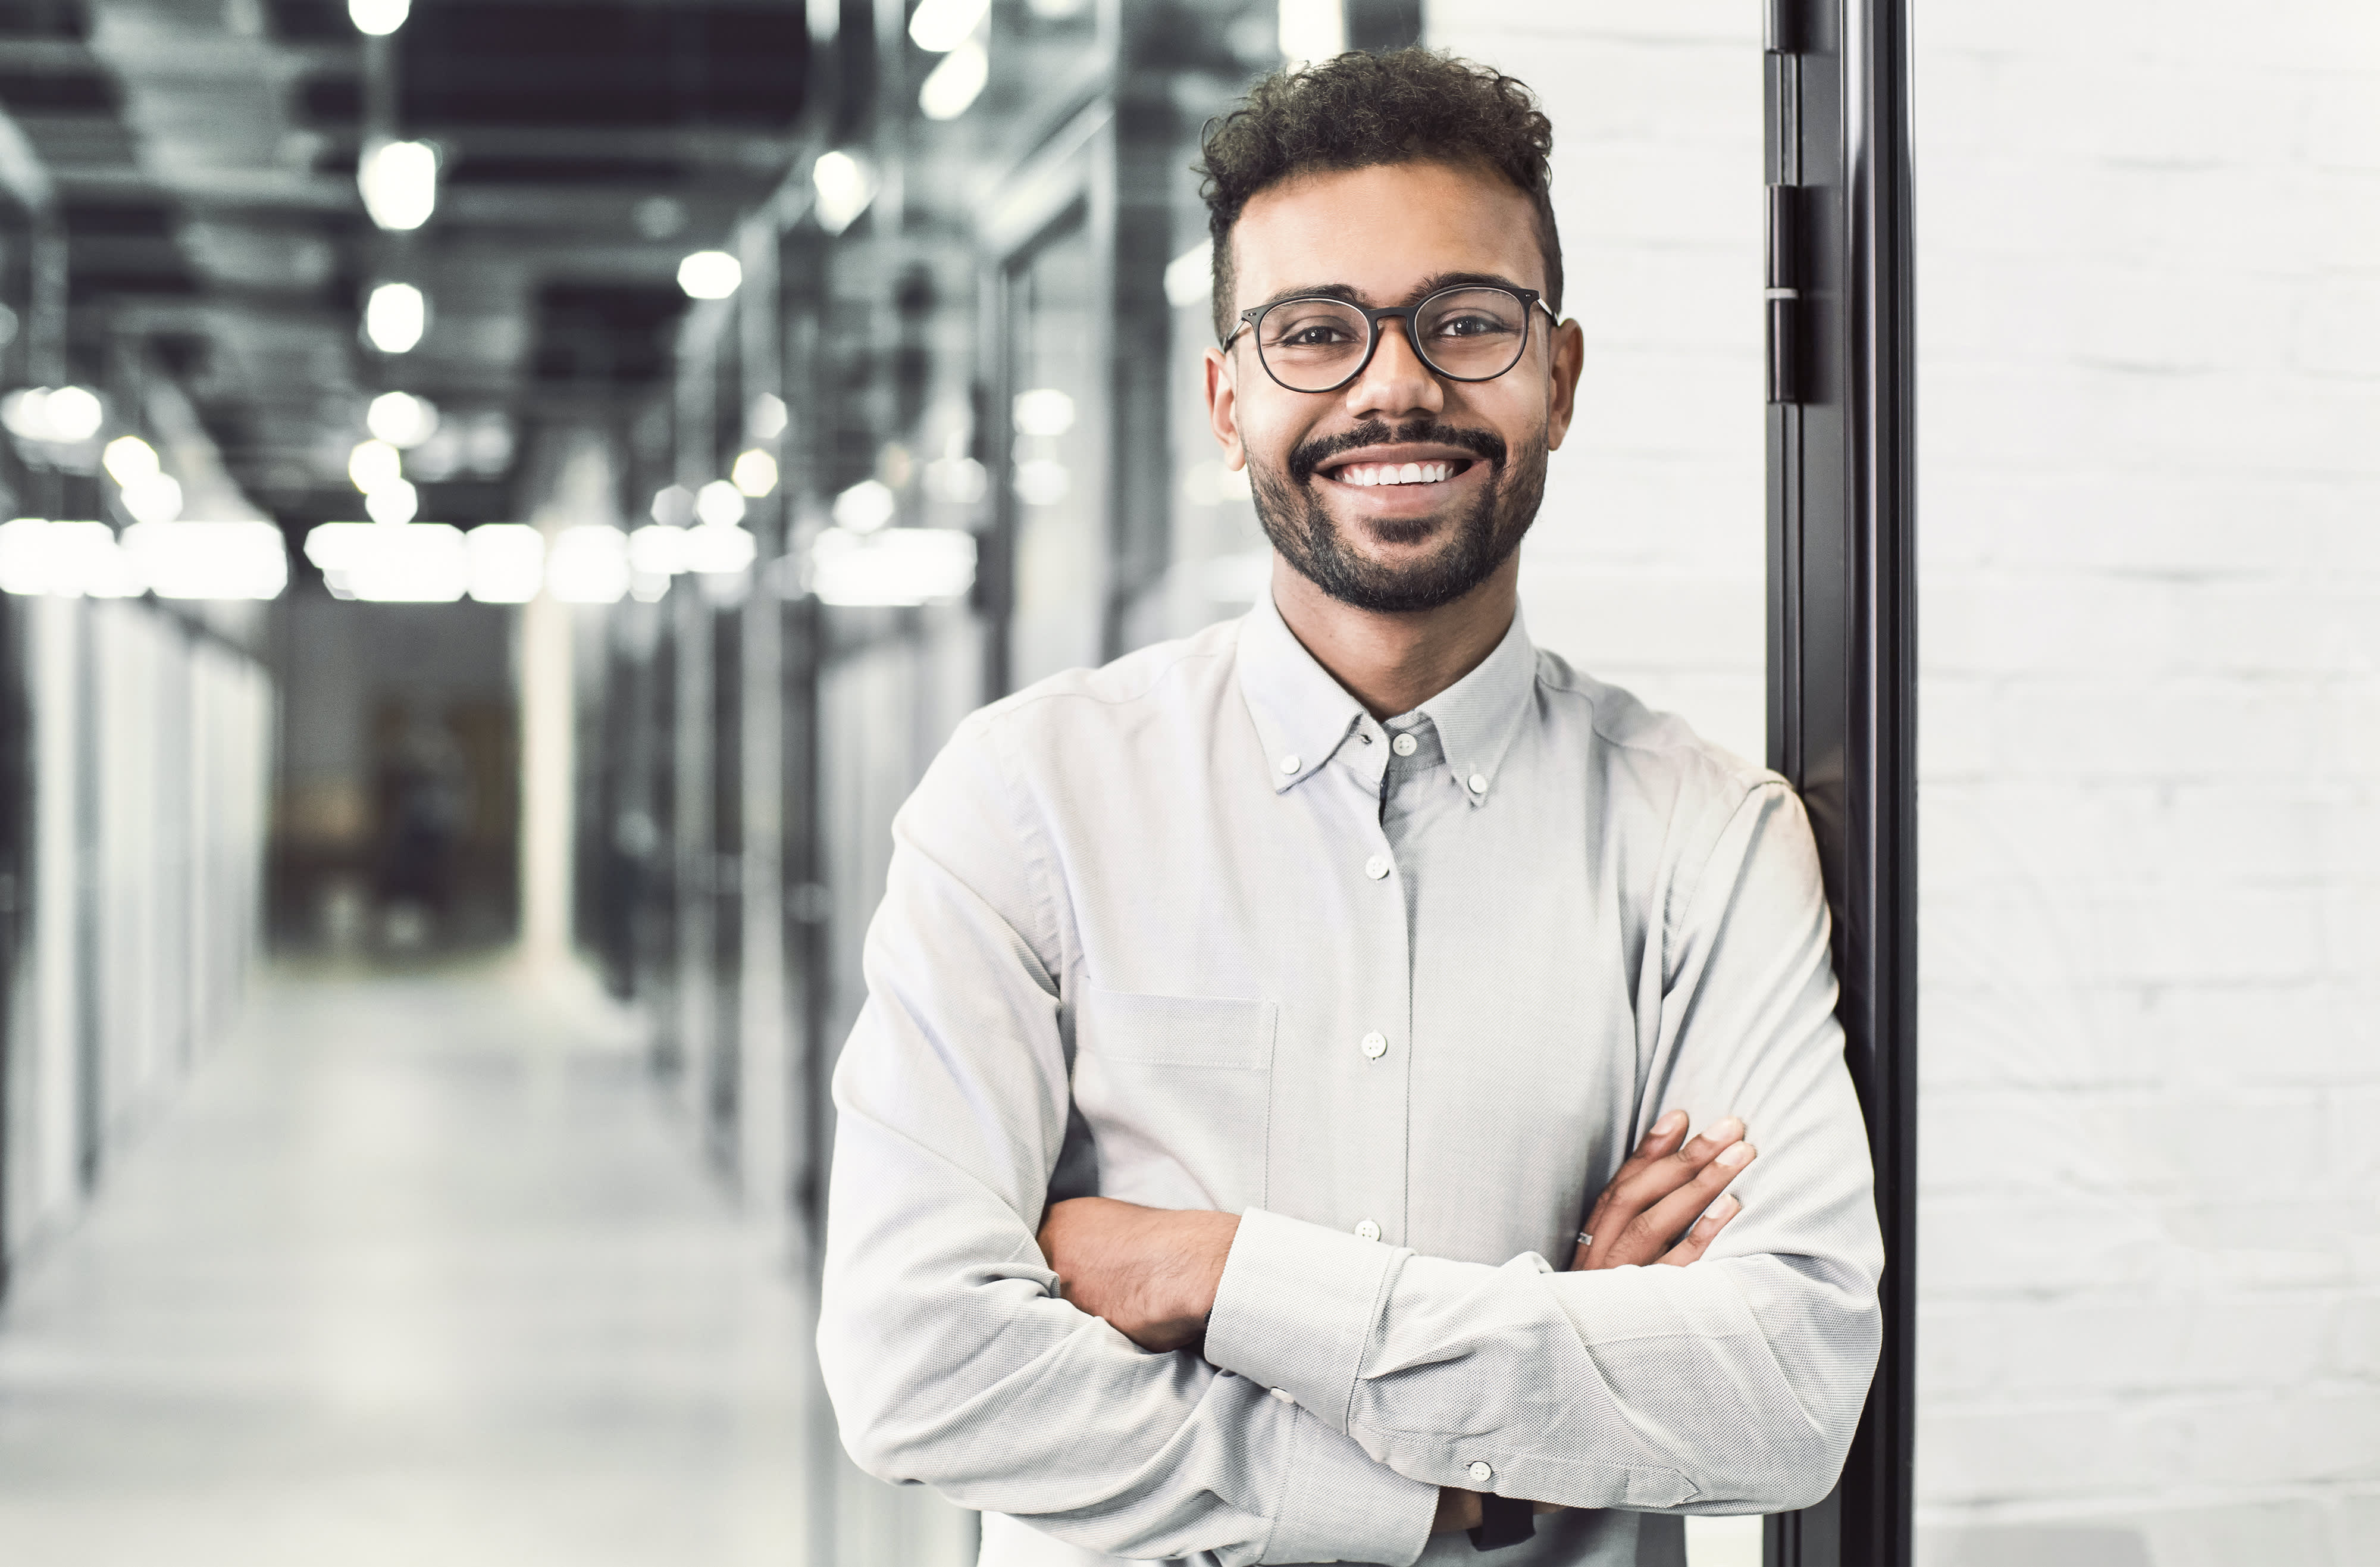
x=1389 y=235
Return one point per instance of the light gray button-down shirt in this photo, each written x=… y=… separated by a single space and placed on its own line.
x=1194 y=930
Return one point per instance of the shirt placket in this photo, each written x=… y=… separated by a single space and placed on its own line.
x=1379 y=1010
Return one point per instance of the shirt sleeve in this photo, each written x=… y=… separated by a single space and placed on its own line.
x=1729 y=1386
x=949 y=1358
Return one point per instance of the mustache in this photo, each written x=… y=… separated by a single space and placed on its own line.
x=1486 y=445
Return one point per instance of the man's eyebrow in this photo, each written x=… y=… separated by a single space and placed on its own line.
x=1420 y=291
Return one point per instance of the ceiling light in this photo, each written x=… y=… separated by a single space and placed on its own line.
x=845 y=184
x=508 y=561
x=950 y=87
x=1311 y=30
x=718 y=504
x=375 y=464
x=395 y=316
x=899 y=565
x=425 y=564
x=1045 y=410
x=153 y=497
x=673 y=505
x=379 y=18
x=765 y=419
x=67 y=560
x=129 y=457
x=710 y=275
x=590 y=566
x=400 y=182
x=755 y=472
x=210 y=560
x=75 y=414
x=69 y=415
x=865 y=507
x=718 y=549
x=657 y=550
x=941 y=25
x=402 y=419
x=334 y=546
x=393 y=505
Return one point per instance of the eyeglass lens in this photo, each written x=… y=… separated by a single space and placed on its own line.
x=1466 y=334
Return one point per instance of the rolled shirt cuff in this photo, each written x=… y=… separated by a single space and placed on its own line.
x=1338 y=1504
x=1296 y=1308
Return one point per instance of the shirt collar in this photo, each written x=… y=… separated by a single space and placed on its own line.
x=1303 y=716
x=1477 y=716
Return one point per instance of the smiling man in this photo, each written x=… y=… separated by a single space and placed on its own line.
x=1250 y=1019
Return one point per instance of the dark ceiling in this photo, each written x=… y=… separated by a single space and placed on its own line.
x=203 y=153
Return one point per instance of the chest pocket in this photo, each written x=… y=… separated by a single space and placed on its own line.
x=1176 y=1091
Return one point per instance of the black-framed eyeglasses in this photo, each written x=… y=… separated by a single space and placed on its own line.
x=1314 y=343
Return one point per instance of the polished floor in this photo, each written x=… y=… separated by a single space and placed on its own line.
x=416 y=1270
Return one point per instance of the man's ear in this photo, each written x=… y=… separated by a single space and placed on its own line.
x=1570 y=359
x=1223 y=408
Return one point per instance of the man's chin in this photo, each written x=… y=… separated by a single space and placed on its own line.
x=1393 y=542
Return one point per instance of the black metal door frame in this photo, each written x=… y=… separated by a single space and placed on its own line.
x=1841 y=637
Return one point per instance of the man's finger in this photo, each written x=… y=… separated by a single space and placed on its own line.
x=1650 y=1233
x=1698 y=1239
x=1638 y=1187
x=1662 y=1140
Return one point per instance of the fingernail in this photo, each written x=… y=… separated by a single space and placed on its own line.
x=1725 y=1208
x=1730 y=1128
x=1671 y=1122
x=1737 y=1156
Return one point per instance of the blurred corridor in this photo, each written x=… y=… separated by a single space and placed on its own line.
x=416 y=1272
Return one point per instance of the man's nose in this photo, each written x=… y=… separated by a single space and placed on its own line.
x=1396 y=384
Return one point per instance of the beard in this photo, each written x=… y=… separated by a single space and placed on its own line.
x=1484 y=537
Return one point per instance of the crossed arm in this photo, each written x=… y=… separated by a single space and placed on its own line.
x=1152 y=1273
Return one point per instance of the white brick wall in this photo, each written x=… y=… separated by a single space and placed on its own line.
x=2150 y=1263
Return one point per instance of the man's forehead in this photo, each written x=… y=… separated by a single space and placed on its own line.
x=1381 y=231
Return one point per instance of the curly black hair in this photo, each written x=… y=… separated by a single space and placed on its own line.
x=1359 y=111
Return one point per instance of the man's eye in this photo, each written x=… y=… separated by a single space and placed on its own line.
x=1313 y=334
x=1471 y=327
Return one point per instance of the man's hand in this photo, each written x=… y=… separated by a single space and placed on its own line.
x=1151 y=1272
x=1658 y=1192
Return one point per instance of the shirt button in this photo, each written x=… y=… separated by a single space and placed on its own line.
x=1375 y=1046
x=1404 y=744
x=1378 y=867
x=1480 y=1473
x=1284 y=1396
x=1367 y=1231
x=1289 y=764
x=1478 y=783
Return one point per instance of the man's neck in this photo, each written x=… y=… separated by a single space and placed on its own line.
x=1394 y=662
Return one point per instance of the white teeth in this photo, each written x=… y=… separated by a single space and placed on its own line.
x=1372 y=475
